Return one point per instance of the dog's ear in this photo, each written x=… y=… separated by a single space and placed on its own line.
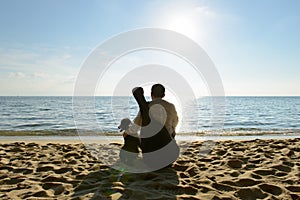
x=124 y=124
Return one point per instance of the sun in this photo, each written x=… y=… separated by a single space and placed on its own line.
x=183 y=24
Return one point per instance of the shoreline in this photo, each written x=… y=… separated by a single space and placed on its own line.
x=100 y=139
x=76 y=132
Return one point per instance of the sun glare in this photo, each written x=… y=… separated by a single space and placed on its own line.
x=182 y=24
x=190 y=20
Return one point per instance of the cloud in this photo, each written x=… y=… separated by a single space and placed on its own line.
x=70 y=80
x=206 y=11
x=41 y=75
x=37 y=63
x=38 y=70
x=16 y=75
x=67 y=57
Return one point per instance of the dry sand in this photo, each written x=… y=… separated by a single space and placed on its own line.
x=258 y=169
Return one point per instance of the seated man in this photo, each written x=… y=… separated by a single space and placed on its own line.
x=159 y=148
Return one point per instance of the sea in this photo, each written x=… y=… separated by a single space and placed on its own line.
x=205 y=117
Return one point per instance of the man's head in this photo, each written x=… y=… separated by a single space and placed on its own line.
x=157 y=91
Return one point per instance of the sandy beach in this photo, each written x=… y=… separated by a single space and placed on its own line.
x=255 y=169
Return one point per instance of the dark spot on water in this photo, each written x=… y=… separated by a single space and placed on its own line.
x=44 y=109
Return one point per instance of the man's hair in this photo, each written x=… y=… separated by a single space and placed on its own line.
x=158 y=90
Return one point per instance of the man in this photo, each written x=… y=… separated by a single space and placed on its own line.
x=158 y=148
x=166 y=114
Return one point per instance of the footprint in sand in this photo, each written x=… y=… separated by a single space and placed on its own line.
x=256 y=176
x=23 y=170
x=272 y=189
x=44 y=168
x=222 y=187
x=235 y=163
x=52 y=178
x=264 y=172
x=41 y=193
x=245 y=182
x=250 y=166
x=63 y=170
x=13 y=181
x=282 y=168
x=280 y=174
x=250 y=194
x=58 y=188
x=293 y=188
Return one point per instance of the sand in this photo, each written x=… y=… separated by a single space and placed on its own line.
x=257 y=169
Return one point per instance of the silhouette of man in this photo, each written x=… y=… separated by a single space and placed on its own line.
x=168 y=116
x=159 y=149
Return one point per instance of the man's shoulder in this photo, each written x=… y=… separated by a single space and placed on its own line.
x=162 y=102
x=167 y=104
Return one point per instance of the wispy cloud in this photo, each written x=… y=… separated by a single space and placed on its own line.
x=37 y=71
x=16 y=75
x=70 y=80
x=41 y=75
x=205 y=11
x=34 y=60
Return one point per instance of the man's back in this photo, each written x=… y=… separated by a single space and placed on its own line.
x=163 y=112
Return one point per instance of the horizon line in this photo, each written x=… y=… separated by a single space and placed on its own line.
x=146 y=96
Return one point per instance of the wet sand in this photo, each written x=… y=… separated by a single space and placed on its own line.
x=253 y=169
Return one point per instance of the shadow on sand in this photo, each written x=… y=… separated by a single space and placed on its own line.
x=109 y=183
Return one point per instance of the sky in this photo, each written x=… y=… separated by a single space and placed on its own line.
x=254 y=45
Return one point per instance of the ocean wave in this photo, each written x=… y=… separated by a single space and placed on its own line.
x=224 y=132
x=244 y=115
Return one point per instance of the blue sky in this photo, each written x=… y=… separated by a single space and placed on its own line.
x=254 y=44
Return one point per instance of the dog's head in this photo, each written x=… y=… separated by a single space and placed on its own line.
x=125 y=123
